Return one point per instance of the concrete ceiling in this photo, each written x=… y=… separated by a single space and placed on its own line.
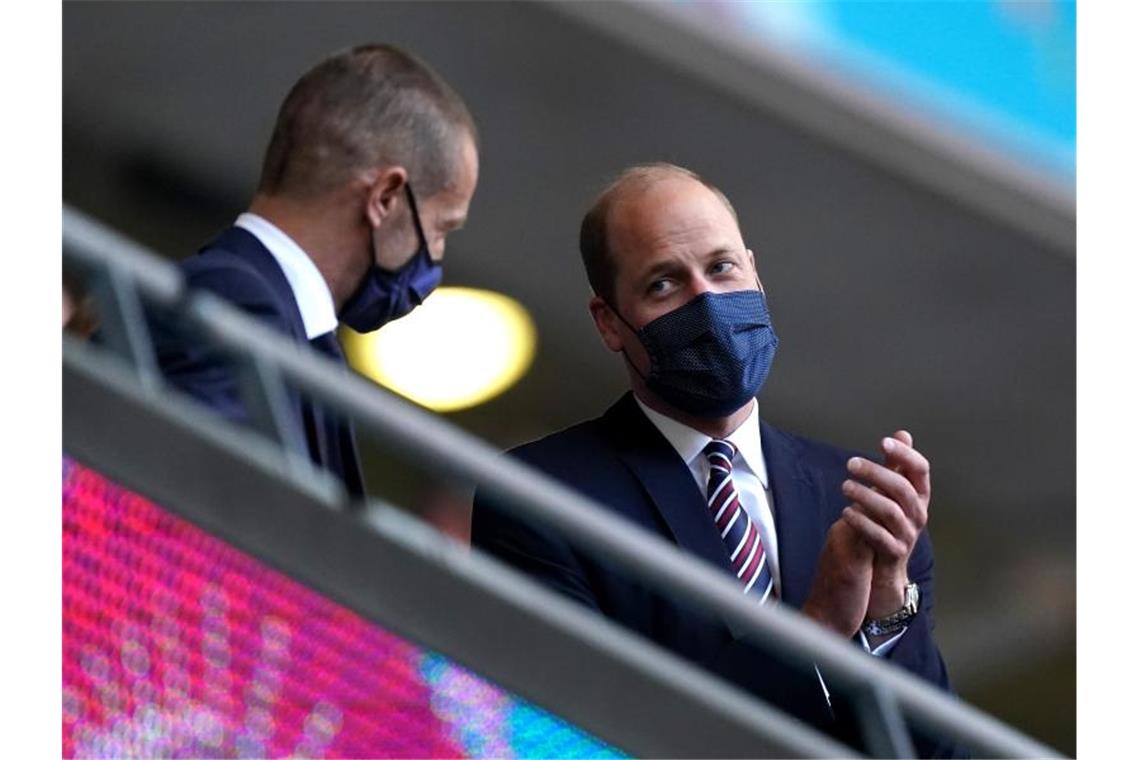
x=895 y=305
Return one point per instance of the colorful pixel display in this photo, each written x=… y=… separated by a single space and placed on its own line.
x=175 y=644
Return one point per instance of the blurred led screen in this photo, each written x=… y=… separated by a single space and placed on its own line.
x=177 y=645
x=1004 y=71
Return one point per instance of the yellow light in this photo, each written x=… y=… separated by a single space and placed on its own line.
x=459 y=348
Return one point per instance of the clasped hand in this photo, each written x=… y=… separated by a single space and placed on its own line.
x=862 y=571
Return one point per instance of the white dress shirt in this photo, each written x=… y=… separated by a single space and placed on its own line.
x=749 y=475
x=749 y=472
x=314 y=299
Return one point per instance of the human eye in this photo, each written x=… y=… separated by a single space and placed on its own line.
x=659 y=286
x=722 y=266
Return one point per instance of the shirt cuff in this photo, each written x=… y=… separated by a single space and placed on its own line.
x=883 y=649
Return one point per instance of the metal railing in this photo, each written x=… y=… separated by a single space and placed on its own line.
x=593 y=657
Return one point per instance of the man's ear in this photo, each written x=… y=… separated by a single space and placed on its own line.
x=385 y=187
x=606 y=322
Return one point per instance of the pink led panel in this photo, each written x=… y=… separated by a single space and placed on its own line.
x=176 y=644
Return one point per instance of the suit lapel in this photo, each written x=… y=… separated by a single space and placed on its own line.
x=668 y=482
x=338 y=444
x=800 y=525
x=670 y=486
x=245 y=245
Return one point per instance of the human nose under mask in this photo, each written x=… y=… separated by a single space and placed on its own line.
x=710 y=356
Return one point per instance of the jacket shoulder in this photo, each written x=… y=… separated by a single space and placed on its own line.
x=225 y=273
x=809 y=450
x=232 y=277
x=584 y=443
x=587 y=459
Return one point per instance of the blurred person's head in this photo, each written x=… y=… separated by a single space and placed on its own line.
x=370 y=147
x=662 y=245
x=79 y=317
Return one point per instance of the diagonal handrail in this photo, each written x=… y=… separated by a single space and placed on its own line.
x=383 y=564
x=536 y=496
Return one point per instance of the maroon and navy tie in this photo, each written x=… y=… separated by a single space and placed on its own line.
x=740 y=534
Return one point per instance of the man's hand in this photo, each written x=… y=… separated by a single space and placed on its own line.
x=842 y=585
x=888 y=512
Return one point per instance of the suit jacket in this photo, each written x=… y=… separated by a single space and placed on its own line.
x=239 y=269
x=623 y=462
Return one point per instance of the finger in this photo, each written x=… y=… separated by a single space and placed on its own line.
x=899 y=435
x=882 y=510
x=876 y=536
x=908 y=461
x=892 y=484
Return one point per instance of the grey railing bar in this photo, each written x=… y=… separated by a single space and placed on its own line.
x=659 y=563
x=263 y=390
x=124 y=329
x=118 y=279
x=535 y=495
x=93 y=245
x=231 y=482
x=882 y=722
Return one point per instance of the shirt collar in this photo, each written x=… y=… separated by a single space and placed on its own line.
x=314 y=299
x=690 y=443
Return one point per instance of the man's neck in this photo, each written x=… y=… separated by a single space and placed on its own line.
x=323 y=235
x=714 y=427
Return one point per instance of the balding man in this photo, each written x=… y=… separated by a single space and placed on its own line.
x=686 y=456
x=336 y=233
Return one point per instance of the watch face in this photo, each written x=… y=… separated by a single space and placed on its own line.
x=912 y=598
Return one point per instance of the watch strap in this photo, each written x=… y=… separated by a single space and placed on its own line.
x=896 y=621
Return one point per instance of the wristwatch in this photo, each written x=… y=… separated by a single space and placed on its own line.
x=895 y=622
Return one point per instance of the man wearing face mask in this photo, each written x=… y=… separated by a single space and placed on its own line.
x=372 y=162
x=686 y=456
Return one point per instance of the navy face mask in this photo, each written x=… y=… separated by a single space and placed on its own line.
x=386 y=295
x=711 y=356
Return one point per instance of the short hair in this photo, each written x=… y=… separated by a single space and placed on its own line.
x=360 y=108
x=593 y=236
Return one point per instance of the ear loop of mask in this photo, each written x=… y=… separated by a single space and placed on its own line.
x=636 y=334
x=416 y=219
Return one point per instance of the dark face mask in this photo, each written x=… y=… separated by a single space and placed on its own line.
x=711 y=356
x=386 y=295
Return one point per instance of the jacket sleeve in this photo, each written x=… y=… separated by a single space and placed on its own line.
x=193 y=366
x=530 y=548
x=916 y=650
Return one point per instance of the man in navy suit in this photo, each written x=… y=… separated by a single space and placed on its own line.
x=335 y=233
x=686 y=456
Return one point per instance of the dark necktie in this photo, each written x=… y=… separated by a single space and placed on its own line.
x=332 y=441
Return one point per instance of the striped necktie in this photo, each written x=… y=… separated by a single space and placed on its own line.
x=740 y=534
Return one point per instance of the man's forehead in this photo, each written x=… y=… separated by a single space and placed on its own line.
x=671 y=211
x=454 y=200
x=464 y=176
